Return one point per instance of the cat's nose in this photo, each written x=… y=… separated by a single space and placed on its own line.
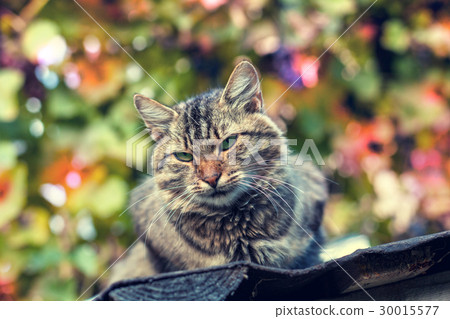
x=212 y=180
x=210 y=172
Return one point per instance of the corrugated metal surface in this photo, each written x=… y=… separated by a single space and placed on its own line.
x=422 y=258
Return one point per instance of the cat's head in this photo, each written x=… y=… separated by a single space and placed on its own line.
x=209 y=147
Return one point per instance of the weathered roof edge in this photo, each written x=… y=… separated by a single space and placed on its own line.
x=366 y=268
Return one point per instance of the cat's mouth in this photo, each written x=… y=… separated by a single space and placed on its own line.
x=218 y=195
x=219 y=191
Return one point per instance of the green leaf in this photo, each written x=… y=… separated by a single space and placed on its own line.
x=311 y=123
x=109 y=198
x=64 y=104
x=395 y=36
x=13 y=192
x=86 y=260
x=54 y=288
x=11 y=81
x=35 y=233
x=8 y=158
x=366 y=84
x=103 y=199
x=336 y=7
x=49 y=256
x=37 y=35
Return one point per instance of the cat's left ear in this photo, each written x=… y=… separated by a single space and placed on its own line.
x=243 y=90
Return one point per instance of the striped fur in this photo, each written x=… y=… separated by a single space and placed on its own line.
x=264 y=212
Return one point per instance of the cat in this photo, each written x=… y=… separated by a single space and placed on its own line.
x=208 y=205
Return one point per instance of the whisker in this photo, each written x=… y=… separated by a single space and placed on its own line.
x=280 y=198
x=293 y=193
x=180 y=216
x=140 y=200
x=319 y=175
x=174 y=210
x=265 y=168
x=161 y=212
x=273 y=187
x=269 y=197
x=280 y=181
x=262 y=167
x=147 y=196
x=283 y=201
x=256 y=188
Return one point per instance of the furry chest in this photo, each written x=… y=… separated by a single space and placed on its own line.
x=237 y=234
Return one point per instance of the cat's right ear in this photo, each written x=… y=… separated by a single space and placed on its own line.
x=156 y=116
x=243 y=91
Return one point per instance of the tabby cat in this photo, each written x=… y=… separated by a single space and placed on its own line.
x=210 y=204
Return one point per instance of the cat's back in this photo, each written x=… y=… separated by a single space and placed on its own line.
x=311 y=186
x=311 y=191
x=309 y=179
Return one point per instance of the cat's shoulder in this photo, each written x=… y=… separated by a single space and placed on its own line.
x=310 y=178
x=144 y=199
x=146 y=186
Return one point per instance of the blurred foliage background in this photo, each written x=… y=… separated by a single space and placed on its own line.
x=376 y=104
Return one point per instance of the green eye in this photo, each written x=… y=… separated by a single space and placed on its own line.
x=228 y=142
x=183 y=156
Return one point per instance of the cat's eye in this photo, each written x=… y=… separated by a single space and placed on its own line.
x=228 y=142
x=183 y=156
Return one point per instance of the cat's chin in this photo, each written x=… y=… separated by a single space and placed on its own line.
x=221 y=197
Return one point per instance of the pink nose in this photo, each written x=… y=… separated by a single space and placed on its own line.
x=212 y=180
